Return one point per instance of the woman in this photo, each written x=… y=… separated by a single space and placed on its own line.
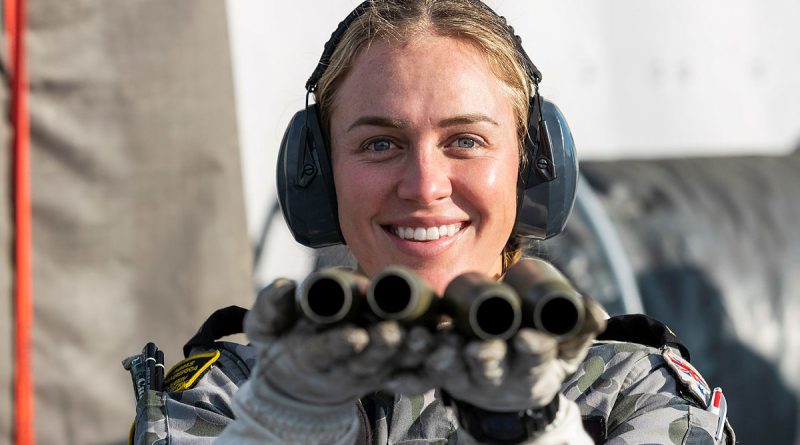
x=426 y=105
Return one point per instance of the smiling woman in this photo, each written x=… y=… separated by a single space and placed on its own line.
x=429 y=151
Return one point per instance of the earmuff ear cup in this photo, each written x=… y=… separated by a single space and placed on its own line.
x=305 y=182
x=551 y=175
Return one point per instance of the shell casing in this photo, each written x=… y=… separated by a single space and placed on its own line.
x=332 y=295
x=398 y=293
x=482 y=308
x=549 y=301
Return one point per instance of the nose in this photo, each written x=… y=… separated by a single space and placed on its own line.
x=425 y=177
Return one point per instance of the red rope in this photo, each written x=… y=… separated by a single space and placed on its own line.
x=15 y=14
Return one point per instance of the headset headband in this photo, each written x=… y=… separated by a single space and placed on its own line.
x=336 y=36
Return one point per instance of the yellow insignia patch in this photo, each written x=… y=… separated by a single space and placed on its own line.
x=186 y=372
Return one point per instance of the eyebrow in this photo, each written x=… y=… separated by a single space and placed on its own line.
x=467 y=119
x=381 y=121
x=378 y=121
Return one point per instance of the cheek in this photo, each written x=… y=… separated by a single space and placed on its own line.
x=507 y=189
x=512 y=181
x=359 y=194
x=346 y=184
x=500 y=185
x=497 y=192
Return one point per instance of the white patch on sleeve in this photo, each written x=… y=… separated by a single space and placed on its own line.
x=688 y=376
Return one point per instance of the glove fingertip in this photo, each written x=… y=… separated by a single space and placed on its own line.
x=273 y=312
x=531 y=341
x=387 y=333
x=486 y=349
x=345 y=341
x=596 y=316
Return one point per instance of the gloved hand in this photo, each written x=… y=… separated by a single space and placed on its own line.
x=323 y=367
x=527 y=372
x=306 y=379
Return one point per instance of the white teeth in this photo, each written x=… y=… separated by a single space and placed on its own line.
x=427 y=233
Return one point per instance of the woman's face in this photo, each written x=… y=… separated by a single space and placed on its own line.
x=425 y=159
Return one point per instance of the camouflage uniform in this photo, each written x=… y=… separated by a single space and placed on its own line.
x=626 y=393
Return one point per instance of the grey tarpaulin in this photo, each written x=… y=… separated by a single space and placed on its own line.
x=715 y=247
x=139 y=224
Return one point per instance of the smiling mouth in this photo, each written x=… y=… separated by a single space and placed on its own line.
x=425 y=233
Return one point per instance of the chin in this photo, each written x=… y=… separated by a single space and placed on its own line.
x=437 y=279
x=438 y=285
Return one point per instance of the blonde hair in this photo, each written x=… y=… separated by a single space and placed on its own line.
x=399 y=21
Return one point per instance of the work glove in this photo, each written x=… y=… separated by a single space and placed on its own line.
x=306 y=381
x=512 y=376
x=525 y=372
x=328 y=366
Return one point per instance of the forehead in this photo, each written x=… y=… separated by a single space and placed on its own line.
x=430 y=75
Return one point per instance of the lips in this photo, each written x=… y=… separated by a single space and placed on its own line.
x=429 y=238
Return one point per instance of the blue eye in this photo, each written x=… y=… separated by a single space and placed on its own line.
x=379 y=145
x=465 y=143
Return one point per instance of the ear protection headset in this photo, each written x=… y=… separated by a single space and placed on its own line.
x=306 y=191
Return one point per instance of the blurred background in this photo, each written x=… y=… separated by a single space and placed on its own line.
x=154 y=128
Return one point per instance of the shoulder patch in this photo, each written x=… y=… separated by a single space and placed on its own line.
x=688 y=376
x=186 y=372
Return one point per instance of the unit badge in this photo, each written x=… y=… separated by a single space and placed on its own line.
x=688 y=376
x=185 y=373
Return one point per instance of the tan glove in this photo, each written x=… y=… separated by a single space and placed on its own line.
x=306 y=379
x=325 y=367
x=526 y=372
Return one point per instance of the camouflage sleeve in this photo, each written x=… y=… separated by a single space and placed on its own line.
x=196 y=405
x=631 y=394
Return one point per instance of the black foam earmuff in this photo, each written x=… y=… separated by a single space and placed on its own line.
x=307 y=194
x=305 y=182
x=550 y=177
